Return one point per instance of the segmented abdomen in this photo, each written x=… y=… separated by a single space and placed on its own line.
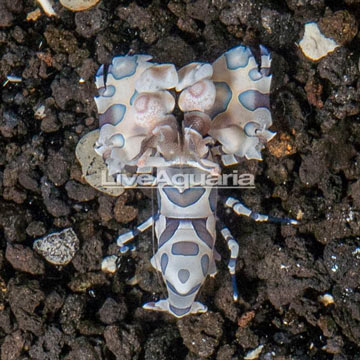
x=185 y=231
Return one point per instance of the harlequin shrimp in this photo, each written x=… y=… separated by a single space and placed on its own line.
x=225 y=116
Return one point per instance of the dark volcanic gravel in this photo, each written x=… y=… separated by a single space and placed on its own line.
x=311 y=171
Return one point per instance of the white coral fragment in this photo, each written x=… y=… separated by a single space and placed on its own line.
x=47 y=7
x=78 y=5
x=192 y=73
x=58 y=248
x=157 y=77
x=314 y=44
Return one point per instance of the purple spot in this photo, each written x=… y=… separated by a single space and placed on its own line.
x=185 y=248
x=265 y=71
x=107 y=91
x=164 y=262
x=186 y=198
x=222 y=99
x=100 y=71
x=171 y=227
x=213 y=199
x=264 y=50
x=255 y=75
x=202 y=232
x=123 y=66
x=133 y=97
x=183 y=275
x=179 y=312
x=113 y=115
x=171 y=287
x=158 y=196
x=205 y=264
x=253 y=99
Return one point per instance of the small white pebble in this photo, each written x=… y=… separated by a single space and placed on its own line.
x=40 y=112
x=47 y=7
x=109 y=264
x=254 y=354
x=326 y=299
x=78 y=5
x=314 y=44
x=58 y=248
